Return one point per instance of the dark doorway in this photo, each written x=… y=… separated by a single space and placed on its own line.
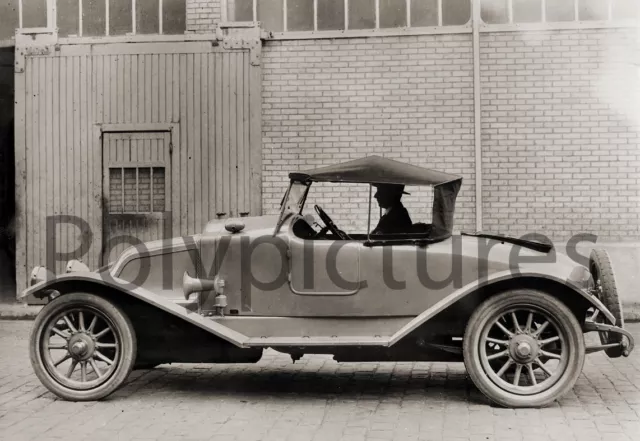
x=7 y=177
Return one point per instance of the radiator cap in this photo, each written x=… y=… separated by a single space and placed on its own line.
x=234 y=226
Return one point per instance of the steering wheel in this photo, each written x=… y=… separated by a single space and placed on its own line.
x=329 y=223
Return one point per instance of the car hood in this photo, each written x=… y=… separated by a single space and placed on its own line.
x=252 y=224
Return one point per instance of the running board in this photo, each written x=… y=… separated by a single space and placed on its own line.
x=316 y=341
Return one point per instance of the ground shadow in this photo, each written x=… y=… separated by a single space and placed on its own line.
x=269 y=382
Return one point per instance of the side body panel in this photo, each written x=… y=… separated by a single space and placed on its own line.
x=286 y=276
x=262 y=309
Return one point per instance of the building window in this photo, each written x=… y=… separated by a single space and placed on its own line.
x=34 y=14
x=334 y=15
x=137 y=190
x=536 y=11
x=96 y=18
x=8 y=18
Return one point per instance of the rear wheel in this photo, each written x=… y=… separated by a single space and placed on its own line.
x=82 y=347
x=605 y=288
x=523 y=349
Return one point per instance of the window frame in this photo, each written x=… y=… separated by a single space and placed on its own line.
x=137 y=166
x=52 y=20
x=225 y=5
x=484 y=27
x=543 y=12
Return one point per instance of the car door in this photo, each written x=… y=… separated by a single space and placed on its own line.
x=406 y=278
x=324 y=267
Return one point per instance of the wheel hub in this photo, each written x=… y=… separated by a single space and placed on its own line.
x=81 y=346
x=523 y=348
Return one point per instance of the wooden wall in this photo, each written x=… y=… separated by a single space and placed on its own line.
x=210 y=98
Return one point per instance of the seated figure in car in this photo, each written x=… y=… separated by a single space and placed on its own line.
x=396 y=218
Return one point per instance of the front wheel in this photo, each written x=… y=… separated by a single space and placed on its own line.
x=523 y=349
x=82 y=347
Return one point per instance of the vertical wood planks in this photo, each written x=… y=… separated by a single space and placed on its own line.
x=55 y=147
x=246 y=124
x=69 y=149
x=83 y=150
x=219 y=189
x=255 y=140
x=242 y=142
x=211 y=164
x=78 y=171
x=196 y=159
x=226 y=115
x=134 y=88
x=188 y=191
x=148 y=95
x=63 y=133
x=40 y=197
x=211 y=95
x=48 y=171
x=177 y=142
x=26 y=212
x=22 y=92
x=141 y=87
x=184 y=146
x=126 y=86
x=206 y=143
x=233 y=135
x=154 y=88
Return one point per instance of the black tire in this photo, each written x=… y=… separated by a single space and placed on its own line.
x=605 y=287
x=120 y=344
x=510 y=393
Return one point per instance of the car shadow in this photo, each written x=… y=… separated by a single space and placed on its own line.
x=254 y=384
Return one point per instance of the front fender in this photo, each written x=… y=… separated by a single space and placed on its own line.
x=494 y=279
x=64 y=283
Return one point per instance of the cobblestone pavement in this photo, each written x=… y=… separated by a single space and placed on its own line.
x=313 y=399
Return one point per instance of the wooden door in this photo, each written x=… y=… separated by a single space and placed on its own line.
x=136 y=190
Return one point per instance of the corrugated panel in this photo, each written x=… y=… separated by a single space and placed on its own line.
x=210 y=95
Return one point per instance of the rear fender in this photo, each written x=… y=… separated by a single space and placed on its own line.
x=565 y=290
x=91 y=282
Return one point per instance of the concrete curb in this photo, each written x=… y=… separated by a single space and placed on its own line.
x=19 y=311
x=631 y=312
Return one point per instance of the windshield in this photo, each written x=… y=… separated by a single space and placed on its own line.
x=294 y=198
x=292 y=202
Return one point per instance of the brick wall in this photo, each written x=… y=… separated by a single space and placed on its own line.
x=560 y=122
x=406 y=98
x=203 y=15
x=560 y=130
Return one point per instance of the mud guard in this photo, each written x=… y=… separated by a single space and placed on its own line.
x=494 y=278
x=44 y=288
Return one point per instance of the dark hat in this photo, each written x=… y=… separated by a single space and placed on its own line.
x=393 y=187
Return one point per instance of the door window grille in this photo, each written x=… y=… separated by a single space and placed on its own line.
x=137 y=190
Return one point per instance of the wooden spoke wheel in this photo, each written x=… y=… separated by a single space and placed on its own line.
x=82 y=347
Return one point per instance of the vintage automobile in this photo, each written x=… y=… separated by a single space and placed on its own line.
x=511 y=309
